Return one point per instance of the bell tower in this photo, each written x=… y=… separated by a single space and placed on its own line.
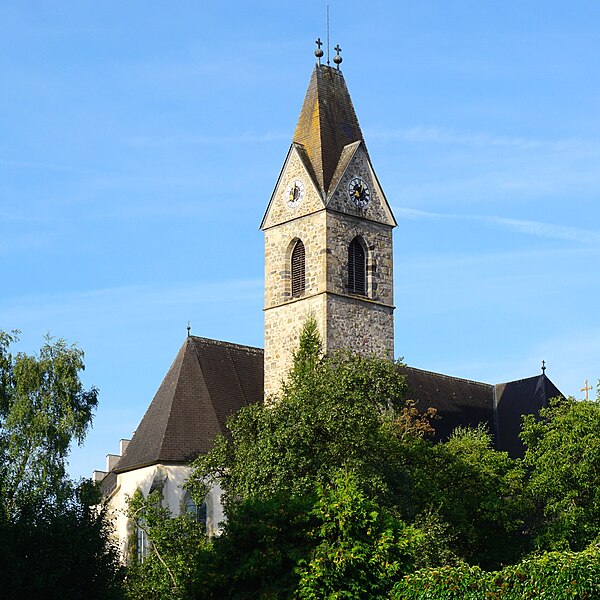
x=328 y=236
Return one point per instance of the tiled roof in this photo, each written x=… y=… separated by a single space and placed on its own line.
x=516 y=398
x=458 y=401
x=208 y=381
x=468 y=403
x=327 y=123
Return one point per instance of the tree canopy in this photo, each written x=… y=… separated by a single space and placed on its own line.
x=335 y=489
x=563 y=459
x=55 y=537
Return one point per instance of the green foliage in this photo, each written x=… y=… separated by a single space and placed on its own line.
x=176 y=545
x=255 y=556
x=334 y=412
x=43 y=408
x=360 y=549
x=55 y=538
x=474 y=490
x=554 y=576
x=563 y=455
x=60 y=551
x=334 y=490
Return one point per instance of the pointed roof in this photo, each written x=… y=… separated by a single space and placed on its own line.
x=459 y=402
x=466 y=403
x=208 y=381
x=516 y=398
x=327 y=123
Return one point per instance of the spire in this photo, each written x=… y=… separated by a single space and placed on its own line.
x=327 y=123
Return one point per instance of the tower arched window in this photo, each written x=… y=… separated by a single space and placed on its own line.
x=298 y=270
x=357 y=267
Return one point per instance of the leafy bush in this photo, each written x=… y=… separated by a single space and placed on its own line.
x=552 y=575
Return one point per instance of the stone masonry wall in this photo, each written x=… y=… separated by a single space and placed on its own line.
x=361 y=326
x=282 y=330
x=358 y=323
x=341 y=230
x=279 y=210
x=279 y=242
x=285 y=315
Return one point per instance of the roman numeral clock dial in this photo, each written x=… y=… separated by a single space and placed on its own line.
x=358 y=192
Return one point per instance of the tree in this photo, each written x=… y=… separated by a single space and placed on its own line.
x=60 y=551
x=55 y=537
x=360 y=549
x=43 y=408
x=256 y=555
x=563 y=456
x=333 y=412
x=474 y=489
x=176 y=544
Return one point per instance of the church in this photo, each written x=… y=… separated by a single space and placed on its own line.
x=328 y=255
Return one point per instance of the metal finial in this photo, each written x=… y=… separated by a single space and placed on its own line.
x=337 y=59
x=543 y=367
x=318 y=51
x=328 y=34
x=188 y=328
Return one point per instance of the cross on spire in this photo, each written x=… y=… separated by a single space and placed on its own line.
x=318 y=51
x=543 y=367
x=337 y=59
x=586 y=388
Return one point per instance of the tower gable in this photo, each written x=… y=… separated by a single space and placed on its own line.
x=296 y=168
x=354 y=162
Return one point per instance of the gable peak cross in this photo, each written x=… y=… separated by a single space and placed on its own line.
x=586 y=388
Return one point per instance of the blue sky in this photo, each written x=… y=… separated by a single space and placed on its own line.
x=140 y=143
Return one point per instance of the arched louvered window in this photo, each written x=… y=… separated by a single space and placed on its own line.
x=357 y=268
x=298 y=276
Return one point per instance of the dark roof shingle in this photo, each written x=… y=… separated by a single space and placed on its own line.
x=208 y=381
x=457 y=401
x=327 y=123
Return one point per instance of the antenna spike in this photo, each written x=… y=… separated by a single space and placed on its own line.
x=328 y=34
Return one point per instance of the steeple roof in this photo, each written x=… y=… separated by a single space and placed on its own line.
x=327 y=123
x=208 y=381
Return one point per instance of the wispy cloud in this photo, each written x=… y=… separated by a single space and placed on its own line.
x=438 y=135
x=533 y=228
x=23 y=164
x=126 y=300
x=174 y=140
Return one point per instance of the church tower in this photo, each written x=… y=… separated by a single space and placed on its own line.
x=328 y=236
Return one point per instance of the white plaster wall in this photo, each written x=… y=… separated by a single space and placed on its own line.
x=173 y=498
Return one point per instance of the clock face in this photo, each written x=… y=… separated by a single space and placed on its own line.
x=294 y=193
x=358 y=192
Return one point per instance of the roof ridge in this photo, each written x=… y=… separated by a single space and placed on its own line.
x=175 y=369
x=199 y=361
x=182 y=350
x=226 y=344
x=454 y=377
x=522 y=379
